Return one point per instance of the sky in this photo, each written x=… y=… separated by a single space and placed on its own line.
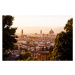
x=33 y=24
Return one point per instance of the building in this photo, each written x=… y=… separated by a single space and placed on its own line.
x=40 y=33
x=43 y=55
x=50 y=35
x=36 y=34
x=22 y=33
x=51 y=32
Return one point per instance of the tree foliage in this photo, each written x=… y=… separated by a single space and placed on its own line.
x=32 y=59
x=63 y=43
x=8 y=33
x=26 y=55
x=51 y=49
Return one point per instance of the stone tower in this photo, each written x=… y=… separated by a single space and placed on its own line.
x=40 y=33
x=22 y=33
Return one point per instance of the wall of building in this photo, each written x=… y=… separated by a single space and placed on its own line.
x=43 y=57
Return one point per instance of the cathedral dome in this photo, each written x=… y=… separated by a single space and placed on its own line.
x=51 y=32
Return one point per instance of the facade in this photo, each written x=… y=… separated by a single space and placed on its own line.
x=43 y=55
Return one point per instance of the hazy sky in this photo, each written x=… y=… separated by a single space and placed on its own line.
x=39 y=21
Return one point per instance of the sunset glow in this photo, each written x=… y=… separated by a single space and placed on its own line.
x=33 y=24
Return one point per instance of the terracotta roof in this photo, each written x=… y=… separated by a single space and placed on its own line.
x=44 y=52
x=51 y=31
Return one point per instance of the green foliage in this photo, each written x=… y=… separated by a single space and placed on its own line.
x=26 y=55
x=35 y=59
x=7 y=20
x=69 y=26
x=5 y=55
x=8 y=33
x=51 y=49
x=32 y=59
x=63 y=44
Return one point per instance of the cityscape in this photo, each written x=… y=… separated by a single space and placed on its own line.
x=36 y=46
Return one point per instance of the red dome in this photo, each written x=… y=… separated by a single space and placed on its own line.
x=51 y=31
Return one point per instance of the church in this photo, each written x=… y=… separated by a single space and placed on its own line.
x=50 y=34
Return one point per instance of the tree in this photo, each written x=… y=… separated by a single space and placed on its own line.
x=8 y=33
x=32 y=59
x=63 y=43
x=51 y=49
x=35 y=59
x=26 y=55
x=29 y=59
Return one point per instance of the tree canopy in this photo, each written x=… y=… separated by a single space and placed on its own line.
x=32 y=59
x=63 y=43
x=8 y=33
x=26 y=55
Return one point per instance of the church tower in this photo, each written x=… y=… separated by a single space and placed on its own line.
x=22 y=32
x=41 y=33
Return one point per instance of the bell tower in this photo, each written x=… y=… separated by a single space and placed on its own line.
x=22 y=32
x=41 y=33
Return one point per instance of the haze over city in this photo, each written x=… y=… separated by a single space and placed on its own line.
x=33 y=24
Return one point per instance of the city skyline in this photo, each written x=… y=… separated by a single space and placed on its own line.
x=33 y=24
x=33 y=30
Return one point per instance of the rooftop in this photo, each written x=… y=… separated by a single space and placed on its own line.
x=44 y=52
